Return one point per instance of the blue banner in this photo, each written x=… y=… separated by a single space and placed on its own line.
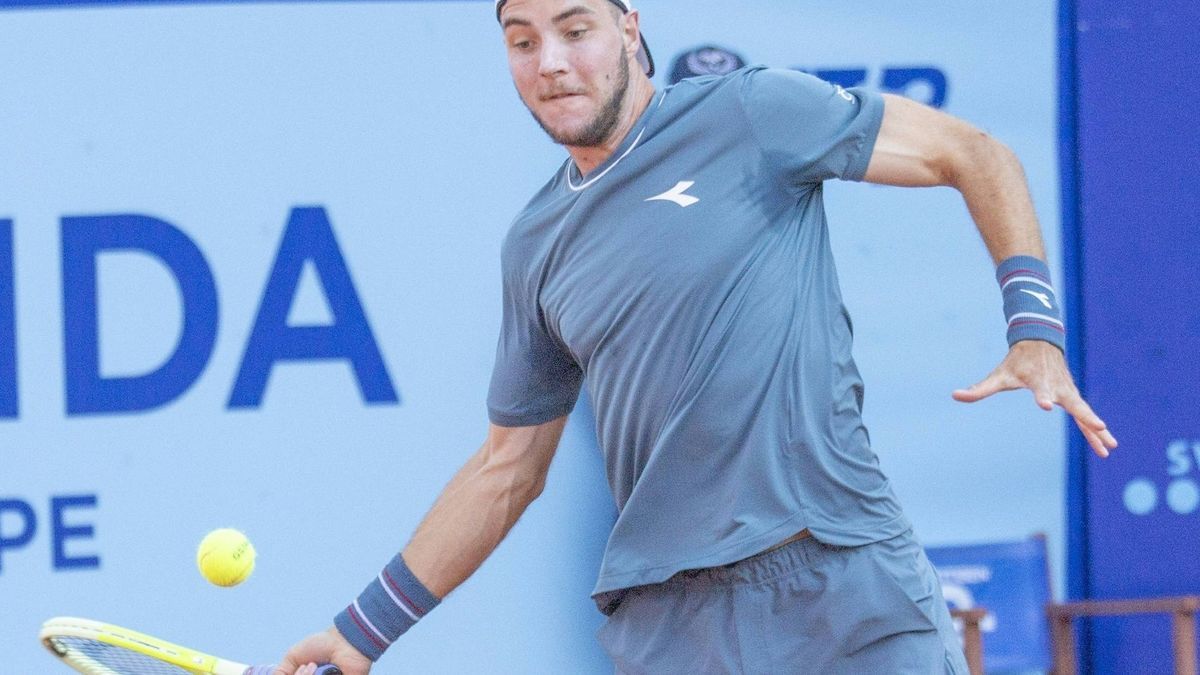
x=1138 y=319
x=249 y=277
x=1010 y=581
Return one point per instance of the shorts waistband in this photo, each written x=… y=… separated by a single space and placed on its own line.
x=796 y=551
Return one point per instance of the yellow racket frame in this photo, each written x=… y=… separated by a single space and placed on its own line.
x=189 y=660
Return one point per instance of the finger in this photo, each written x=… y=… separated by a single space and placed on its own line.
x=996 y=382
x=1044 y=399
x=1094 y=440
x=1110 y=441
x=288 y=666
x=1086 y=418
x=1082 y=412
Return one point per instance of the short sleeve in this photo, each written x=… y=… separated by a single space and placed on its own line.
x=808 y=129
x=534 y=379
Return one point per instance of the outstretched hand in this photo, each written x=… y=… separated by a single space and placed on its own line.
x=1041 y=368
x=326 y=647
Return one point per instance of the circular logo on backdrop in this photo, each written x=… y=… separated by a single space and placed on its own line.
x=706 y=60
x=1142 y=495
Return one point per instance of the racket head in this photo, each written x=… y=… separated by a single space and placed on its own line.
x=98 y=648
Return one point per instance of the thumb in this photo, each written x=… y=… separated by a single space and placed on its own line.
x=287 y=666
x=980 y=390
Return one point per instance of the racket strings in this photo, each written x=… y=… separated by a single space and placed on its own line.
x=94 y=657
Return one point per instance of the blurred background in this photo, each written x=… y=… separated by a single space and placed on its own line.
x=249 y=278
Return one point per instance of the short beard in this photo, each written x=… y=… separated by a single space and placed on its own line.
x=598 y=131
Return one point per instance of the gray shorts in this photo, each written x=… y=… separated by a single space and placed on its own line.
x=804 y=608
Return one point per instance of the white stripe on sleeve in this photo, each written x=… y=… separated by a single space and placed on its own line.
x=399 y=603
x=1029 y=280
x=1032 y=315
x=362 y=615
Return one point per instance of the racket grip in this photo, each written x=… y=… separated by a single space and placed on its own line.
x=328 y=670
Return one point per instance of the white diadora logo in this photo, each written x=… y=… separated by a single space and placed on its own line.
x=1044 y=297
x=676 y=195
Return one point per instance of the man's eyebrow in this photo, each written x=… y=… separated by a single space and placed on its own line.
x=563 y=16
x=574 y=11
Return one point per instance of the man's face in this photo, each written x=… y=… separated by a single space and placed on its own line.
x=570 y=63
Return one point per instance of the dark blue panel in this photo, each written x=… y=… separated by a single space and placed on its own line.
x=1138 y=96
x=8 y=325
x=1078 y=452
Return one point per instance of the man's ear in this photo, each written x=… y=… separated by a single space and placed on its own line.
x=631 y=29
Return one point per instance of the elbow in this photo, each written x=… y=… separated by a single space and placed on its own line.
x=523 y=483
x=976 y=154
x=516 y=477
x=534 y=488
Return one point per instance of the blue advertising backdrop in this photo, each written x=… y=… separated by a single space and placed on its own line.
x=248 y=278
x=1133 y=225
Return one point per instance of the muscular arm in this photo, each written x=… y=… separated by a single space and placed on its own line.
x=467 y=522
x=481 y=503
x=921 y=147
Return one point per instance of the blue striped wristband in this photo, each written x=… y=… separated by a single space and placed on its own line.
x=387 y=607
x=1030 y=304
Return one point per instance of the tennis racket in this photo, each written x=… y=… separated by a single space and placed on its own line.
x=97 y=648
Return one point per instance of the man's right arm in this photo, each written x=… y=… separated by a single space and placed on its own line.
x=467 y=522
x=481 y=504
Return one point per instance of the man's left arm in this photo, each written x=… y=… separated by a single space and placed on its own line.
x=918 y=146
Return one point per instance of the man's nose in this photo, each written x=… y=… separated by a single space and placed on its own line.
x=553 y=58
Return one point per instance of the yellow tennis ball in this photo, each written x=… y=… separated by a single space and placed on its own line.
x=225 y=557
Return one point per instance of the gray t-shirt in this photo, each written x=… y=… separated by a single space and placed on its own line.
x=690 y=279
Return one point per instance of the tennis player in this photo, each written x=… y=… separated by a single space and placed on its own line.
x=680 y=260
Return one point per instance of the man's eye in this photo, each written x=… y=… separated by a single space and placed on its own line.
x=522 y=44
x=576 y=34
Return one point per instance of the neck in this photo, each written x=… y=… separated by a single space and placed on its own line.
x=640 y=92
